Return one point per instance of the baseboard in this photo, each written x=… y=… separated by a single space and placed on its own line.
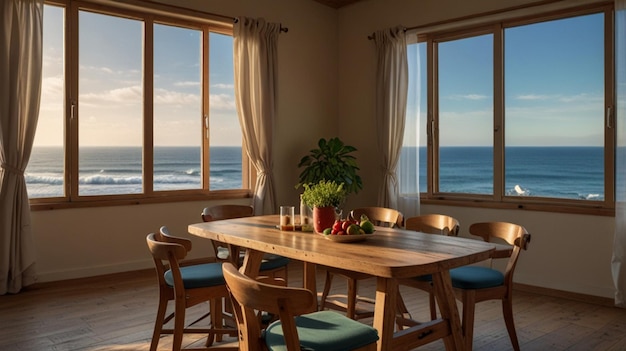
x=598 y=300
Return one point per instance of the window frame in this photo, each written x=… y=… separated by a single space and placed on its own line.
x=498 y=199
x=149 y=14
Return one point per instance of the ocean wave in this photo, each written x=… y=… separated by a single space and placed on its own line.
x=109 y=179
x=43 y=179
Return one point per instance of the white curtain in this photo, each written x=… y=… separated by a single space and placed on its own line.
x=255 y=56
x=20 y=86
x=409 y=167
x=619 y=244
x=391 y=96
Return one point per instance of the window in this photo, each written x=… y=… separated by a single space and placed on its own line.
x=134 y=105
x=517 y=112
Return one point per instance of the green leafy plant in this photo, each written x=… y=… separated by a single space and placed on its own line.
x=323 y=194
x=332 y=160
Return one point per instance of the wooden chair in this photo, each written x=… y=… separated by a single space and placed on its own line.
x=380 y=216
x=473 y=284
x=430 y=224
x=272 y=265
x=300 y=325
x=187 y=286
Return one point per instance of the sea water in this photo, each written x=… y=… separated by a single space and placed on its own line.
x=118 y=170
x=561 y=172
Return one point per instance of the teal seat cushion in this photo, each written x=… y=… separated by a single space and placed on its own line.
x=198 y=276
x=323 y=331
x=273 y=261
x=476 y=277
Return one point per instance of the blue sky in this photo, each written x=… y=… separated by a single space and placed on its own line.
x=110 y=84
x=554 y=85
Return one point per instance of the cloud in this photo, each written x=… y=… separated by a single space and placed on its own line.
x=125 y=95
x=187 y=84
x=223 y=86
x=168 y=97
x=470 y=97
x=222 y=102
x=532 y=97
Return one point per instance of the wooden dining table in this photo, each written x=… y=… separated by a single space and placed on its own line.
x=388 y=254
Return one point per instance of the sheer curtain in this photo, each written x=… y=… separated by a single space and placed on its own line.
x=255 y=56
x=391 y=96
x=20 y=86
x=619 y=241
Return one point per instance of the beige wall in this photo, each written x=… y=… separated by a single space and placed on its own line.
x=325 y=88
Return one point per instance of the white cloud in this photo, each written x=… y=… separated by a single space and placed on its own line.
x=470 y=97
x=222 y=102
x=187 y=84
x=168 y=97
x=125 y=95
x=532 y=97
x=223 y=86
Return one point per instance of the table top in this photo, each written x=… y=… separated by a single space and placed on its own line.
x=389 y=253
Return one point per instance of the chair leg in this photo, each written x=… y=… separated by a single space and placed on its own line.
x=469 y=304
x=179 y=324
x=326 y=291
x=507 y=311
x=352 y=298
x=433 y=305
x=402 y=312
x=158 y=323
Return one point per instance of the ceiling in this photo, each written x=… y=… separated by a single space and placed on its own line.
x=336 y=3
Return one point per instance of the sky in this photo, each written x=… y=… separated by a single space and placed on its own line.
x=554 y=86
x=553 y=75
x=110 y=84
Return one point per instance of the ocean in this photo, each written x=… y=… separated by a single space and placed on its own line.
x=117 y=170
x=560 y=172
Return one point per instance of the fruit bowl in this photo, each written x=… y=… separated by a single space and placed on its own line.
x=346 y=238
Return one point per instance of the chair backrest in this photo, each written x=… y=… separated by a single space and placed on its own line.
x=168 y=249
x=380 y=216
x=513 y=234
x=228 y=211
x=250 y=295
x=433 y=224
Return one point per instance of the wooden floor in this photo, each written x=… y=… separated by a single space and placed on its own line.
x=117 y=313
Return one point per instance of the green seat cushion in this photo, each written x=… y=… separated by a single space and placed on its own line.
x=323 y=331
x=198 y=276
x=273 y=261
x=476 y=277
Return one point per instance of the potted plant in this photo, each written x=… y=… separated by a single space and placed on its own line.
x=323 y=197
x=332 y=160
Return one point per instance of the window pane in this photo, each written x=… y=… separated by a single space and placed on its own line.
x=413 y=156
x=225 y=131
x=110 y=104
x=45 y=170
x=177 y=108
x=466 y=115
x=554 y=98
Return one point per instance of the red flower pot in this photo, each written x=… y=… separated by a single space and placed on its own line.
x=323 y=217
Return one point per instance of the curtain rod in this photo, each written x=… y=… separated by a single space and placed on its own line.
x=494 y=12
x=282 y=29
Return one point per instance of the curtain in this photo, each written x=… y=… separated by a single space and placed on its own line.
x=391 y=97
x=255 y=61
x=619 y=241
x=20 y=87
x=409 y=168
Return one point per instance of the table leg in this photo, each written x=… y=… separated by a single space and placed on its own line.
x=447 y=306
x=386 y=295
